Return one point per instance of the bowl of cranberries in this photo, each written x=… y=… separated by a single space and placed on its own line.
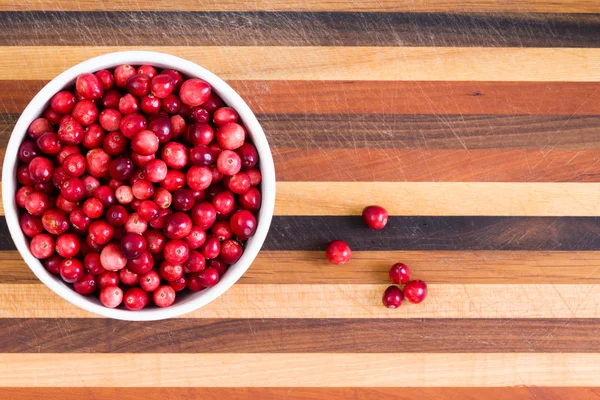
x=138 y=186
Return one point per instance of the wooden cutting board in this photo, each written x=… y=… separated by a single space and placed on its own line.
x=476 y=124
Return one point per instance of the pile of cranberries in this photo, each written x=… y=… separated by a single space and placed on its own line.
x=338 y=252
x=138 y=183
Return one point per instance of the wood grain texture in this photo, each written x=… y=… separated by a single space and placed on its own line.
x=374 y=97
x=301 y=336
x=347 y=301
x=336 y=63
x=298 y=370
x=574 y=6
x=295 y=393
x=299 y=29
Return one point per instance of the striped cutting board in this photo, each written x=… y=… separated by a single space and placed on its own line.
x=476 y=123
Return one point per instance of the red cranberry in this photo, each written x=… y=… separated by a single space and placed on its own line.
x=194 y=92
x=231 y=251
x=52 y=264
x=132 y=124
x=176 y=76
x=160 y=222
x=63 y=102
x=93 y=136
x=135 y=298
x=92 y=265
x=151 y=104
x=164 y=296
x=122 y=74
x=65 y=152
x=147 y=70
x=183 y=199
x=128 y=104
x=111 y=99
x=132 y=245
x=145 y=143
x=68 y=245
x=229 y=163
x=162 y=198
x=85 y=112
x=193 y=283
x=107 y=278
x=376 y=217
x=136 y=224
x=176 y=251
x=141 y=264
x=155 y=241
x=116 y=215
x=71 y=270
x=179 y=284
x=105 y=78
x=138 y=85
x=201 y=156
x=162 y=85
x=199 y=114
x=73 y=190
x=85 y=285
x=148 y=210
x=219 y=265
x=74 y=165
x=111 y=257
x=111 y=296
x=399 y=273
x=97 y=163
x=231 y=136
x=101 y=232
x=161 y=126
x=142 y=189
x=89 y=86
x=48 y=143
x=55 y=221
x=174 y=155
x=114 y=143
x=64 y=204
x=224 y=202
x=31 y=225
x=150 y=281
x=42 y=246
x=140 y=161
x=200 y=134
x=178 y=226
x=110 y=119
x=52 y=116
x=29 y=150
x=224 y=116
x=196 y=262
x=198 y=178
x=338 y=252
x=121 y=168
x=222 y=230
x=38 y=127
x=45 y=187
x=392 y=297
x=124 y=194
x=248 y=155
x=40 y=169
x=155 y=170
x=174 y=180
x=128 y=278
x=211 y=247
x=22 y=194
x=251 y=200
x=204 y=215
x=177 y=125
x=196 y=237
x=170 y=272
x=415 y=291
x=239 y=183
x=170 y=104
x=36 y=203
x=106 y=195
x=208 y=277
x=79 y=220
x=23 y=175
x=255 y=176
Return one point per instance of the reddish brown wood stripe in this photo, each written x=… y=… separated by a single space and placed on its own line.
x=296 y=393
x=301 y=336
x=393 y=97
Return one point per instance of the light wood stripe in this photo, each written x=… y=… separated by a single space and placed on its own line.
x=347 y=301
x=371 y=267
x=299 y=370
x=337 y=63
x=438 y=198
x=562 y=6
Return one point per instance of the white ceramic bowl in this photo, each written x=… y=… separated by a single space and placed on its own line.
x=190 y=301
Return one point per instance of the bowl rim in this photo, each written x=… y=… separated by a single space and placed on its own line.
x=34 y=110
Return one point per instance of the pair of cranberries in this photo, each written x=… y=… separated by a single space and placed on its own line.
x=338 y=252
x=138 y=183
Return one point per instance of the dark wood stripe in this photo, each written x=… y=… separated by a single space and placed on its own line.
x=299 y=29
x=437 y=233
x=301 y=393
x=393 y=97
x=437 y=165
x=301 y=336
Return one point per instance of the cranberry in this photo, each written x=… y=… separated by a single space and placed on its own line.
x=155 y=241
x=111 y=99
x=66 y=151
x=22 y=194
x=176 y=251
x=337 y=252
x=170 y=272
x=204 y=215
x=164 y=296
x=48 y=143
x=162 y=85
x=63 y=102
x=251 y=200
x=93 y=136
x=415 y=291
x=40 y=169
x=74 y=165
x=52 y=116
x=23 y=175
x=89 y=86
x=392 y=297
x=105 y=78
x=199 y=114
x=161 y=221
x=111 y=257
x=85 y=112
x=38 y=127
x=68 y=245
x=136 y=224
x=128 y=104
x=150 y=281
x=29 y=150
x=222 y=230
x=255 y=176
x=208 y=277
x=176 y=76
x=142 y=189
x=183 y=200
x=178 y=226
x=376 y=217
x=59 y=176
x=155 y=170
x=111 y=296
x=106 y=195
x=196 y=262
x=71 y=270
x=399 y=273
x=151 y=104
x=132 y=124
x=213 y=103
x=122 y=74
x=45 y=187
x=200 y=134
x=110 y=119
x=135 y=298
x=101 y=232
x=124 y=194
x=36 y=203
x=248 y=154
x=31 y=225
x=224 y=202
x=179 y=284
x=194 y=92
x=161 y=199
x=229 y=163
x=64 y=204
x=114 y=143
x=55 y=221
x=202 y=156
x=108 y=278
x=73 y=190
x=211 y=247
x=219 y=265
x=85 y=285
x=141 y=264
x=231 y=136
x=92 y=265
x=147 y=70
x=224 y=116
x=173 y=181
x=116 y=215
x=128 y=278
x=145 y=143
x=198 y=178
x=148 y=210
x=193 y=282
x=174 y=155
x=52 y=264
x=132 y=245
x=170 y=104
x=79 y=220
x=231 y=251
x=140 y=161
x=239 y=183
x=177 y=125
x=138 y=85
x=196 y=237
x=97 y=163
x=42 y=246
